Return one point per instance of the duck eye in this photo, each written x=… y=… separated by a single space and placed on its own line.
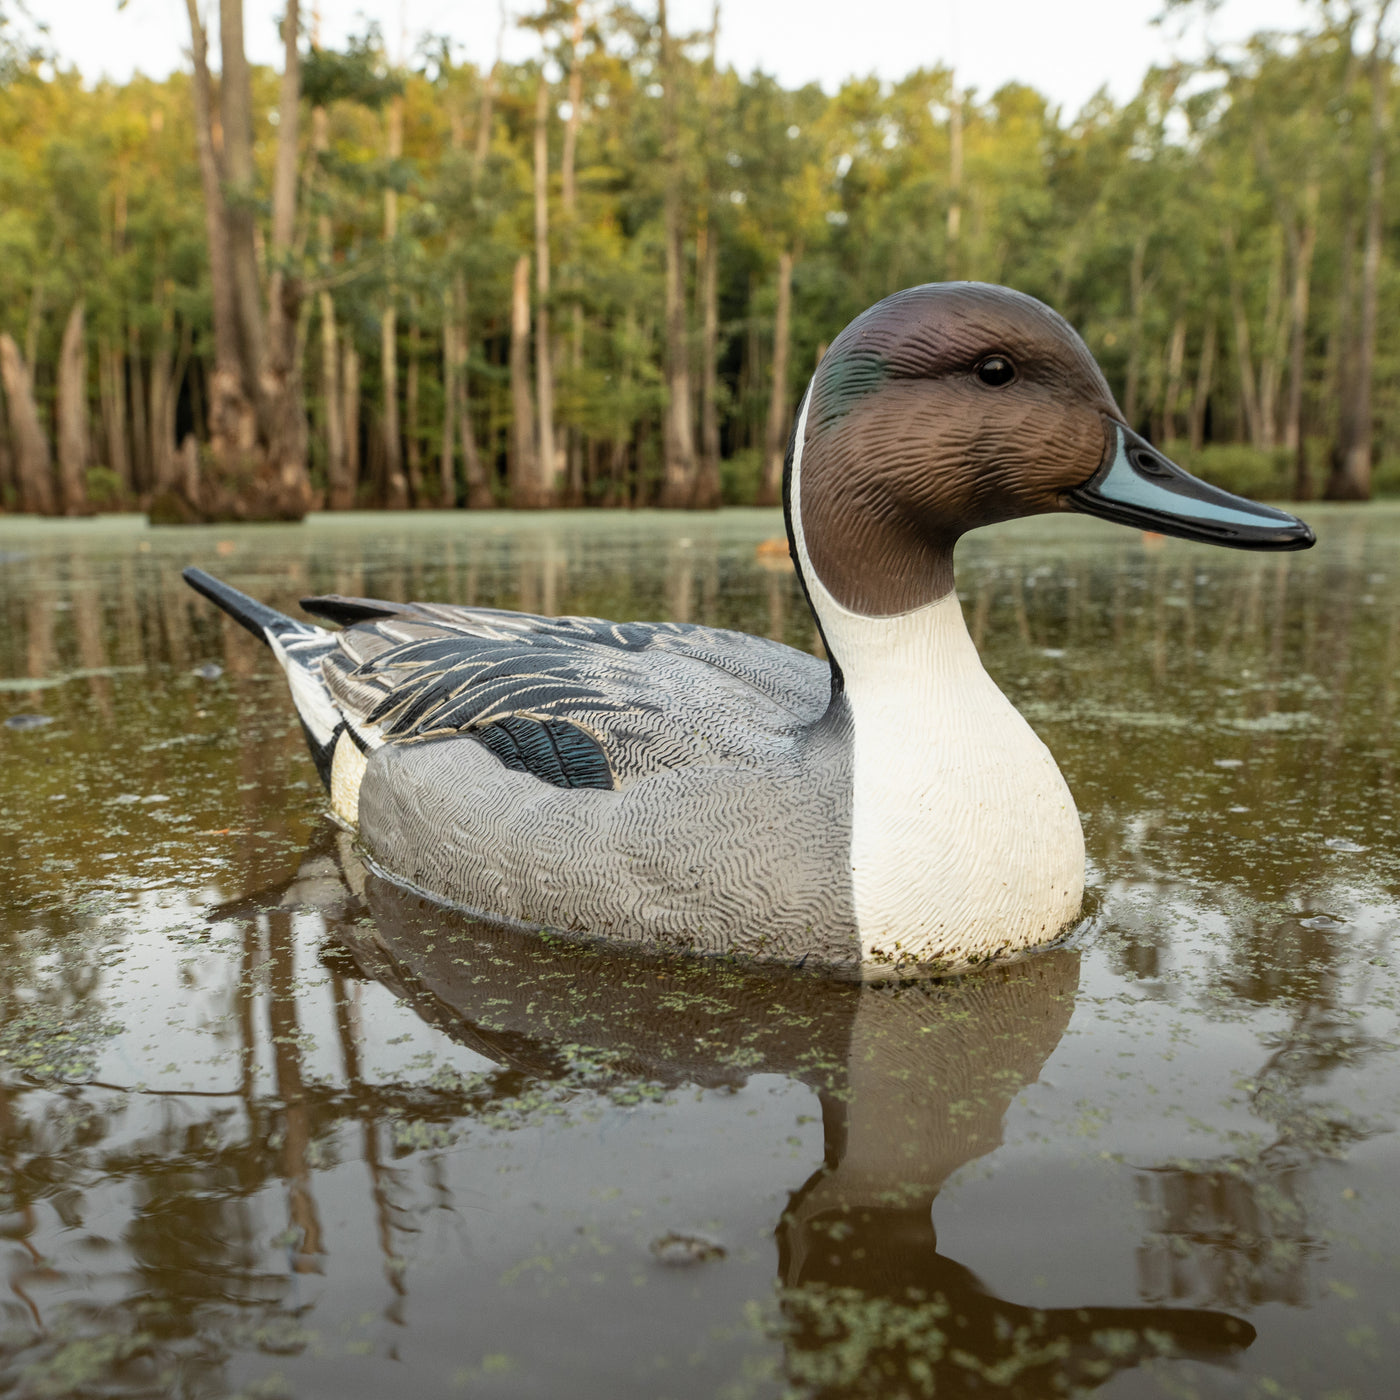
x=996 y=370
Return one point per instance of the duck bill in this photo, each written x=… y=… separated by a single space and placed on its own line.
x=1137 y=485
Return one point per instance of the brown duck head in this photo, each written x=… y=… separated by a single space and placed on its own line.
x=959 y=404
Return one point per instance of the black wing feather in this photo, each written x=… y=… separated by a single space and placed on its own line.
x=558 y=752
x=563 y=698
x=348 y=611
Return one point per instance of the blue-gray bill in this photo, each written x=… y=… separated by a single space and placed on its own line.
x=1137 y=485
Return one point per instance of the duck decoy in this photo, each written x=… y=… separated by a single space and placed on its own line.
x=690 y=787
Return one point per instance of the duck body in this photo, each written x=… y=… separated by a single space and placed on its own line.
x=682 y=786
x=716 y=821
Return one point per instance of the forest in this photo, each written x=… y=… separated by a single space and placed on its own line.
x=395 y=281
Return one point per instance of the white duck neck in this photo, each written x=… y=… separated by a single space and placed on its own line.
x=965 y=841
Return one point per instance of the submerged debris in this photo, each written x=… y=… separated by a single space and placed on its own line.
x=681 y=1251
x=28 y=721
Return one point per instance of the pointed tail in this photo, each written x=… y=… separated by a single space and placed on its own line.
x=262 y=621
x=298 y=647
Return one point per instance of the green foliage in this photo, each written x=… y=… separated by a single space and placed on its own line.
x=740 y=475
x=360 y=74
x=105 y=490
x=1159 y=227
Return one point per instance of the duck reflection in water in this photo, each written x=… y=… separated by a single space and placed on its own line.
x=914 y=1082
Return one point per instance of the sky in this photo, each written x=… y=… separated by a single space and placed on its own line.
x=1067 y=49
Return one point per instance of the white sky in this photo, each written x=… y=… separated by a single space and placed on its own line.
x=1066 y=48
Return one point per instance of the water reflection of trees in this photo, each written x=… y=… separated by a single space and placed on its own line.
x=1237 y=1231
x=75 y=604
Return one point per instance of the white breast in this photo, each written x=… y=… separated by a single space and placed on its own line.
x=965 y=840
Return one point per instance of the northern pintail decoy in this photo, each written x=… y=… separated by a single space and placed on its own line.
x=685 y=786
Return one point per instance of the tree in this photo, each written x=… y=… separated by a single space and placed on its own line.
x=678 y=481
x=256 y=417
x=73 y=415
x=1350 y=479
x=31 y=446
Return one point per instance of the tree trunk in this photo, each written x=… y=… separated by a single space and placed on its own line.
x=256 y=415
x=187 y=469
x=544 y=363
x=394 y=484
x=1304 y=250
x=167 y=370
x=284 y=425
x=221 y=275
x=479 y=495
x=524 y=465
x=1305 y=246
x=73 y=415
x=1271 y=357
x=33 y=322
x=236 y=110
x=486 y=114
x=707 y=477
x=33 y=464
x=231 y=427
x=447 y=453
x=1176 y=356
x=350 y=392
x=678 y=481
x=111 y=376
x=395 y=487
x=414 y=453
x=617 y=493
x=340 y=489
x=158 y=391
x=567 y=191
x=775 y=440
x=1135 y=307
x=1244 y=361
x=140 y=436
x=1205 y=378
x=1351 y=474
x=577 y=446
x=707 y=484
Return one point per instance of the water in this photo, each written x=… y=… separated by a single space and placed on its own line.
x=270 y=1127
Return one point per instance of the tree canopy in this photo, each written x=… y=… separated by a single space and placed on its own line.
x=603 y=277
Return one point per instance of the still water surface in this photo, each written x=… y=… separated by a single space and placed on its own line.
x=270 y=1127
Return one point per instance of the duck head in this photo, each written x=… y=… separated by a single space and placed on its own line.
x=959 y=404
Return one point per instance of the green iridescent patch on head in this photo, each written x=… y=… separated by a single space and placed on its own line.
x=844 y=378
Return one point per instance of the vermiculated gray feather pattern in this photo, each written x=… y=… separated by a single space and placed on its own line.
x=722 y=823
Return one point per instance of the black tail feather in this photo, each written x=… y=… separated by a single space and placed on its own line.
x=257 y=617
x=348 y=611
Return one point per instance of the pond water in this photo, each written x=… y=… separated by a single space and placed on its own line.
x=268 y=1126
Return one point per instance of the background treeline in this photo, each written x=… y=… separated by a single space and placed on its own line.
x=604 y=277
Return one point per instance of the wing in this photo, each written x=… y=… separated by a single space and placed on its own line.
x=576 y=701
